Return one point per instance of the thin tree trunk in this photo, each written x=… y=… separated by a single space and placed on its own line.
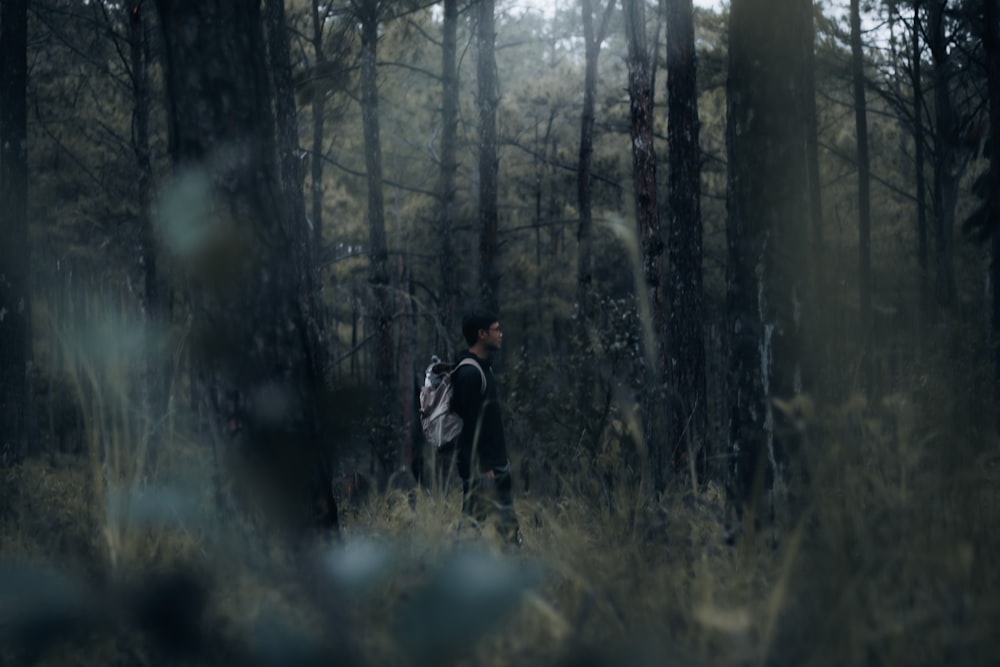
x=686 y=335
x=585 y=233
x=412 y=439
x=991 y=42
x=864 y=201
x=448 y=261
x=318 y=121
x=156 y=367
x=593 y=38
x=918 y=159
x=812 y=142
x=817 y=315
x=945 y=169
x=489 y=277
x=15 y=292
x=543 y=168
x=138 y=56
x=386 y=434
x=540 y=148
x=640 y=90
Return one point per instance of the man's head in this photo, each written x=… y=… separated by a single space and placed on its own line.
x=482 y=328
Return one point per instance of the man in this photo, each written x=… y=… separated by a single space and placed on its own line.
x=481 y=445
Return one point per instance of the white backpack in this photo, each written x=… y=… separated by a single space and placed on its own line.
x=441 y=425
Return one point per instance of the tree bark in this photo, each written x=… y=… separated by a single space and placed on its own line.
x=310 y=315
x=250 y=321
x=685 y=337
x=139 y=57
x=156 y=366
x=918 y=159
x=812 y=144
x=448 y=261
x=15 y=287
x=946 y=170
x=318 y=121
x=593 y=38
x=818 y=317
x=489 y=278
x=991 y=43
x=640 y=88
x=766 y=240
x=864 y=200
x=386 y=434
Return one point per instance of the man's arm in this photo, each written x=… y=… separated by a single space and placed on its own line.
x=468 y=395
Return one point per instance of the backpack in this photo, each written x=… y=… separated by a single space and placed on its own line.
x=441 y=425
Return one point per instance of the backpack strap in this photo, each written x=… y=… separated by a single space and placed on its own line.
x=472 y=362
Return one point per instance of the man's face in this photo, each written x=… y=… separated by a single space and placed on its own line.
x=492 y=337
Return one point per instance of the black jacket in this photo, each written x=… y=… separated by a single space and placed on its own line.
x=478 y=412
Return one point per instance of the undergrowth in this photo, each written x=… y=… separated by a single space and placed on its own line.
x=885 y=561
x=880 y=550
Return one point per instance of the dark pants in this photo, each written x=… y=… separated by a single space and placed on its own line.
x=488 y=496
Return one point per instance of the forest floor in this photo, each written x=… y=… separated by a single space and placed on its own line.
x=889 y=557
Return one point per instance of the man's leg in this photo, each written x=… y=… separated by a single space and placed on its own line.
x=477 y=498
x=507 y=524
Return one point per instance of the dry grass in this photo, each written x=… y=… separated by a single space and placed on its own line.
x=881 y=553
x=888 y=561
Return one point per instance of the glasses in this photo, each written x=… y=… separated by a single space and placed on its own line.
x=495 y=329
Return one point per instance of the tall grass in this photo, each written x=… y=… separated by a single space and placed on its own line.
x=97 y=363
x=883 y=554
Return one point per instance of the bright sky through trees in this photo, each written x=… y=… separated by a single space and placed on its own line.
x=547 y=7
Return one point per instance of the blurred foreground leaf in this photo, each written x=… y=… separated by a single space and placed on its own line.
x=185 y=213
x=359 y=564
x=39 y=606
x=275 y=643
x=466 y=595
x=154 y=506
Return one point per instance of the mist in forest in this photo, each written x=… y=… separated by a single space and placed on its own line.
x=744 y=256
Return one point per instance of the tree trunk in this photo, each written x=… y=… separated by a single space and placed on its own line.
x=817 y=315
x=138 y=57
x=946 y=172
x=318 y=121
x=250 y=322
x=489 y=278
x=543 y=178
x=864 y=201
x=386 y=434
x=812 y=144
x=640 y=88
x=290 y=170
x=918 y=159
x=412 y=435
x=766 y=240
x=593 y=38
x=156 y=366
x=15 y=292
x=686 y=336
x=448 y=261
x=310 y=313
x=991 y=43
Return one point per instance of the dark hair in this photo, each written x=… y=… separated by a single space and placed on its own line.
x=476 y=320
